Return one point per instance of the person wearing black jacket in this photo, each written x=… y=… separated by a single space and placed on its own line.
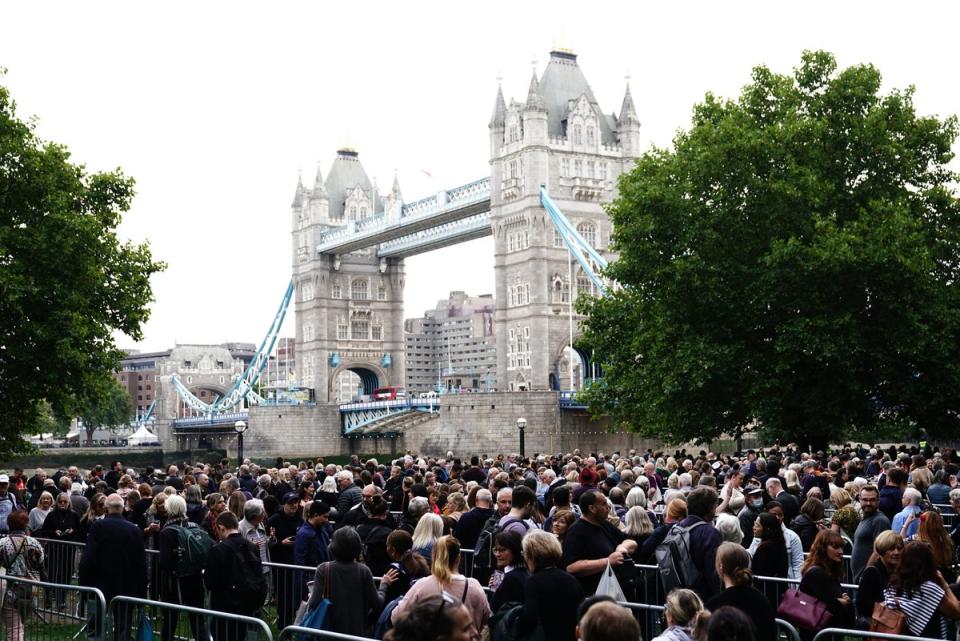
x=222 y=578
x=551 y=596
x=468 y=528
x=733 y=568
x=282 y=529
x=807 y=524
x=182 y=588
x=113 y=561
x=373 y=531
x=62 y=524
x=821 y=577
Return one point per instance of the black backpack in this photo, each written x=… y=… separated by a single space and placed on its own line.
x=247 y=581
x=677 y=569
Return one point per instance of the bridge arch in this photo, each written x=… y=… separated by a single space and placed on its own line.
x=584 y=367
x=371 y=377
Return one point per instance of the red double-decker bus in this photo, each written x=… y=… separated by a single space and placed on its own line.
x=389 y=393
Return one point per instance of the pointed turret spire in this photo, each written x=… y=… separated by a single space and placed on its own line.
x=499 y=118
x=396 y=188
x=628 y=114
x=534 y=100
x=298 y=197
x=318 y=187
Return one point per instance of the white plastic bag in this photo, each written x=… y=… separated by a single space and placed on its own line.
x=609 y=586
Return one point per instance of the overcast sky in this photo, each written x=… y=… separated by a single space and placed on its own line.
x=214 y=107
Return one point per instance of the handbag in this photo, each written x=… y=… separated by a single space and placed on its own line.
x=805 y=612
x=316 y=618
x=888 y=620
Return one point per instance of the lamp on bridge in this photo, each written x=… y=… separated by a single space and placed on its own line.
x=521 y=425
x=240 y=427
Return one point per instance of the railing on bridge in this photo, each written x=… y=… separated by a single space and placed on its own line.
x=476 y=226
x=355 y=417
x=571 y=401
x=219 y=420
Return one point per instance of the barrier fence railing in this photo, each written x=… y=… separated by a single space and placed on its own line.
x=296 y=633
x=129 y=614
x=51 y=611
x=652 y=625
x=773 y=587
x=828 y=633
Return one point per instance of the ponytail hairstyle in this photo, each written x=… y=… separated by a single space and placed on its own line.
x=446 y=557
x=684 y=606
x=734 y=563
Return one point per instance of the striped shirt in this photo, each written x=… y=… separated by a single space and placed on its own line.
x=919 y=608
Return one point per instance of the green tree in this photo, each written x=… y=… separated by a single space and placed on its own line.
x=67 y=283
x=789 y=265
x=106 y=406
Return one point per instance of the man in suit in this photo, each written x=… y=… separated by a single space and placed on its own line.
x=791 y=506
x=113 y=561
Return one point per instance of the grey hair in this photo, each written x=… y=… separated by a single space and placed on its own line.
x=264 y=480
x=252 y=509
x=484 y=495
x=176 y=507
x=418 y=506
x=114 y=503
x=913 y=494
x=729 y=528
x=636 y=498
x=345 y=475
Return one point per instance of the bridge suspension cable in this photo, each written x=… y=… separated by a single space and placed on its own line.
x=243 y=385
x=583 y=252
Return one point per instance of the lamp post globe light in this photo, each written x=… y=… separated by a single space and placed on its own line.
x=240 y=427
x=521 y=425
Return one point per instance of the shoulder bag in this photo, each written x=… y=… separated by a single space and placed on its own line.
x=805 y=612
x=888 y=620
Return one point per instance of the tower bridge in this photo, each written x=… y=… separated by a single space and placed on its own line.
x=555 y=158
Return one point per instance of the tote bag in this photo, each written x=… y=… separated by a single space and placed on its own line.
x=806 y=612
x=317 y=617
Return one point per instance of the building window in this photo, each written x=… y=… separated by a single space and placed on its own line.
x=564 y=167
x=603 y=170
x=557 y=238
x=308 y=332
x=376 y=332
x=590 y=168
x=363 y=212
x=342 y=331
x=219 y=366
x=510 y=243
x=337 y=292
x=353 y=212
x=187 y=364
x=591 y=136
x=577 y=135
x=381 y=293
x=526 y=332
x=360 y=330
x=584 y=286
x=358 y=289
x=589 y=233
x=514 y=133
x=577 y=168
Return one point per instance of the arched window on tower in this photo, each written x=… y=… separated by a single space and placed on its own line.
x=591 y=135
x=358 y=289
x=584 y=286
x=359 y=329
x=336 y=291
x=589 y=233
x=578 y=134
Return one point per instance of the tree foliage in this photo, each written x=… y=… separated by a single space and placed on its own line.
x=106 y=406
x=67 y=283
x=790 y=264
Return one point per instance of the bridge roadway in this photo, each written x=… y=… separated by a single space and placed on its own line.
x=414 y=230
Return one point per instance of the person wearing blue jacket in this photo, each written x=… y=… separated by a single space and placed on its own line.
x=310 y=547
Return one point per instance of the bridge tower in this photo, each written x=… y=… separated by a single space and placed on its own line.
x=349 y=308
x=560 y=138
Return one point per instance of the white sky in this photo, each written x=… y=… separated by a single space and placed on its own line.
x=214 y=106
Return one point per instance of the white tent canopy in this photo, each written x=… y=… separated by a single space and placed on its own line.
x=143 y=436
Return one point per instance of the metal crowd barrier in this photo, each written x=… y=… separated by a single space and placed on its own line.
x=847 y=565
x=649 y=586
x=288 y=587
x=862 y=634
x=173 y=621
x=295 y=633
x=53 y=611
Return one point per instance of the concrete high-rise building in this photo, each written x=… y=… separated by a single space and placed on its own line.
x=560 y=138
x=349 y=307
x=452 y=346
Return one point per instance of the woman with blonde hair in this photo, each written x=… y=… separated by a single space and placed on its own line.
x=681 y=612
x=887 y=548
x=429 y=529
x=551 y=596
x=235 y=504
x=793 y=482
x=39 y=514
x=456 y=505
x=733 y=568
x=445 y=577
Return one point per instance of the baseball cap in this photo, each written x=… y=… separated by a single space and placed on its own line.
x=291 y=497
x=755 y=490
x=4 y=478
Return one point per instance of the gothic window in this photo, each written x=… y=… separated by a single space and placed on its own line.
x=590 y=168
x=337 y=291
x=308 y=291
x=376 y=332
x=589 y=233
x=353 y=212
x=557 y=238
x=577 y=168
x=591 y=135
x=526 y=332
x=381 y=293
x=510 y=243
x=526 y=294
x=308 y=333
x=584 y=286
x=564 y=167
x=363 y=211
x=358 y=289
x=359 y=330
x=514 y=133
x=603 y=170
x=578 y=134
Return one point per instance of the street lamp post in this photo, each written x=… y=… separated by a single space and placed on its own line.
x=521 y=425
x=240 y=427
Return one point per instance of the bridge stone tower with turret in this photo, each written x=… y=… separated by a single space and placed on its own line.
x=560 y=138
x=349 y=308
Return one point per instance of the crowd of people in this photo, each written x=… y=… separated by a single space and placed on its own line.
x=508 y=547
